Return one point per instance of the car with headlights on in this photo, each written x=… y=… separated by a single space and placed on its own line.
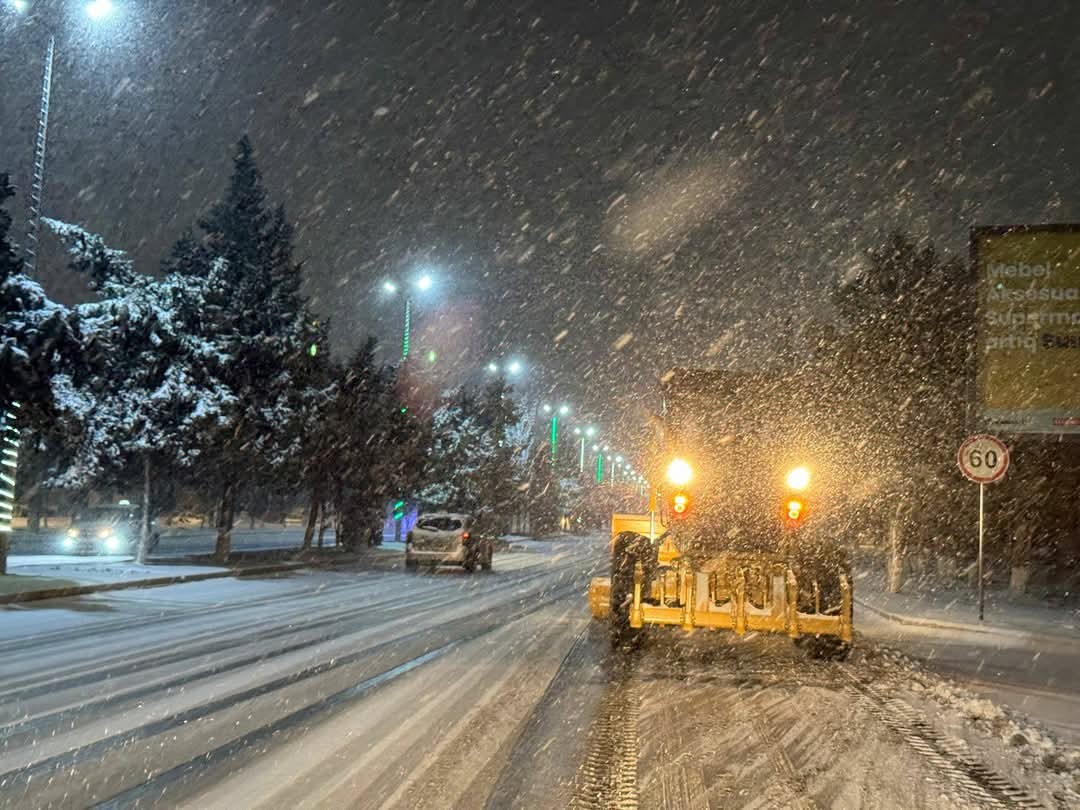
x=103 y=529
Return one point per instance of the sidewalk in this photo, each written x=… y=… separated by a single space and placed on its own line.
x=953 y=609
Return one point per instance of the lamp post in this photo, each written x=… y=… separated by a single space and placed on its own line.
x=587 y=432
x=390 y=287
x=97 y=10
x=9 y=436
x=562 y=410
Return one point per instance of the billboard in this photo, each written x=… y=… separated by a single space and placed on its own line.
x=1028 y=280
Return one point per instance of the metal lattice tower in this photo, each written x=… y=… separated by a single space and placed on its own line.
x=38 y=183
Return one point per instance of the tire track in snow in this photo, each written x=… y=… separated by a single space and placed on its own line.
x=164 y=783
x=781 y=763
x=607 y=778
x=207 y=710
x=443 y=774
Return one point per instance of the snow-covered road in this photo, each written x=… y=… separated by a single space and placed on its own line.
x=376 y=688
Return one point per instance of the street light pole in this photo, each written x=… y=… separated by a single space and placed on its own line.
x=9 y=433
x=38 y=182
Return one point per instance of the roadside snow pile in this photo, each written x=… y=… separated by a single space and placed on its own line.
x=1011 y=742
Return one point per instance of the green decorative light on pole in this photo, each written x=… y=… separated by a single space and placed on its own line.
x=562 y=410
x=588 y=432
x=390 y=287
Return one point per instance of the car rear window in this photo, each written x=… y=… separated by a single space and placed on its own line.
x=439 y=524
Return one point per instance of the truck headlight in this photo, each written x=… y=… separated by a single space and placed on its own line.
x=73 y=533
x=105 y=532
x=112 y=543
x=68 y=541
x=679 y=472
x=798 y=479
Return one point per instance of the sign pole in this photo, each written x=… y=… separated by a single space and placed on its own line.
x=981 y=488
x=984 y=460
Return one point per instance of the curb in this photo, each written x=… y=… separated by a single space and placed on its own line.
x=156 y=582
x=914 y=621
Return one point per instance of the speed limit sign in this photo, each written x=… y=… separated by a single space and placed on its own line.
x=983 y=459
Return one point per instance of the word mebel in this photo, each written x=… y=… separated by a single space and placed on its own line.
x=1001 y=270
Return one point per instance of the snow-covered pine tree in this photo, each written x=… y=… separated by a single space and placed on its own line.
x=460 y=451
x=270 y=333
x=543 y=492
x=498 y=491
x=152 y=387
x=34 y=331
x=374 y=447
x=35 y=337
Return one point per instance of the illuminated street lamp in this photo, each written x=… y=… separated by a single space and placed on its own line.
x=511 y=369
x=96 y=10
x=390 y=287
x=587 y=432
x=99 y=9
x=562 y=410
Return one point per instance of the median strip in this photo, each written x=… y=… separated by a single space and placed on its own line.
x=154 y=582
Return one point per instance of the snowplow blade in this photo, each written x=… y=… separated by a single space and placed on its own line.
x=745 y=595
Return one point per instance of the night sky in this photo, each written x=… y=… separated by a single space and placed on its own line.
x=607 y=188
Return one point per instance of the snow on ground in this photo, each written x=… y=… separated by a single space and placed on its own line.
x=506 y=700
x=97 y=570
x=1015 y=745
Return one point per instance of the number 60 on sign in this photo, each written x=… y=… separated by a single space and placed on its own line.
x=983 y=459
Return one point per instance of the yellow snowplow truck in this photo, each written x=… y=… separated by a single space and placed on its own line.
x=746 y=527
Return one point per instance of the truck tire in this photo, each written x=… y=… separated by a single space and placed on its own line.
x=626 y=551
x=827 y=571
x=824 y=648
x=410 y=563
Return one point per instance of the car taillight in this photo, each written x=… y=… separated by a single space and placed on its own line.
x=464 y=535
